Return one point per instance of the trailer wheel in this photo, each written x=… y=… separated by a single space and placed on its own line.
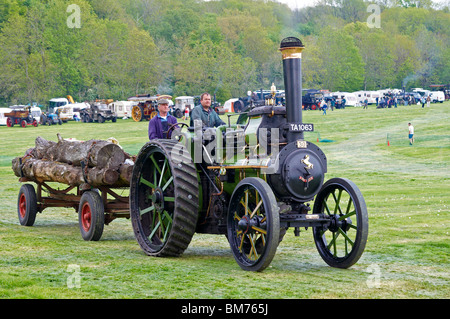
x=342 y=242
x=27 y=205
x=91 y=216
x=164 y=198
x=253 y=224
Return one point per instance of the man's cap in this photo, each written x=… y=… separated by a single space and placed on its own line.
x=163 y=101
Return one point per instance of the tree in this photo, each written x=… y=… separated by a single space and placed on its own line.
x=214 y=68
x=342 y=65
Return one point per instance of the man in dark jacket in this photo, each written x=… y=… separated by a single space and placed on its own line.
x=205 y=113
x=158 y=126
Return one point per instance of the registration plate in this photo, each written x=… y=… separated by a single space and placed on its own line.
x=301 y=127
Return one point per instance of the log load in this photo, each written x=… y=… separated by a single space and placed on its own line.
x=90 y=163
x=97 y=153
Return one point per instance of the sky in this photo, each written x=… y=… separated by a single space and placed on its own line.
x=297 y=4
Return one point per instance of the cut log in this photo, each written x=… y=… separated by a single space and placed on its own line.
x=96 y=153
x=125 y=170
x=39 y=171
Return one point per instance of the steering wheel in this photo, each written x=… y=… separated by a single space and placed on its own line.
x=173 y=126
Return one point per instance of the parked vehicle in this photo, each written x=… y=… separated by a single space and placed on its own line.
x=23 y=116
x=181 y=103
x=146 y=107
x=422 y=92
x=97 y=112
x=68 y=111
x=3 y=118
x=54 y=103
x=437 y=96
x=122 y=108
x=228 y=106
x=350 y=98
x=50 y=119
x=371 y=96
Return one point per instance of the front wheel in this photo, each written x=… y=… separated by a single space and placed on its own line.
x=341 y=242
x=253 y=224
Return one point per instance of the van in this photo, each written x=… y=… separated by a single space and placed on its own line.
x=437 y=96
x=370 y=95
x=68 y=111
x=122 y=108
x=350 y=98
x=3 y=110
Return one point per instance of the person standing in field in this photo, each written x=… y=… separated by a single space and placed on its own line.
x=411 y=134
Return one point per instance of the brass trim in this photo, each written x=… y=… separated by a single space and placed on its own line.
x=292 y=53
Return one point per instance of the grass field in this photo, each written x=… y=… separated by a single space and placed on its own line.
x=406 y=189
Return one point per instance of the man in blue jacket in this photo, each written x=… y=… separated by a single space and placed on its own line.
x=158 y=126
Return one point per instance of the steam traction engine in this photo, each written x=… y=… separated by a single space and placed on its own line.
x=251 y=182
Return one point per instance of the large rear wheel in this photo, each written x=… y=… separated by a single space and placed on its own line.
x=253 y=224
x=342 y=242
x=164 y=198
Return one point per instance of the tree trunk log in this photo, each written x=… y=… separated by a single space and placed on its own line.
x=96 y=153
x=49 y=171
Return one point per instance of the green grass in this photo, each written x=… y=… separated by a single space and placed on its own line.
x=406 y=189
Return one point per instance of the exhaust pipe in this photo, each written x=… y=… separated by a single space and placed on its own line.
x=291 y=49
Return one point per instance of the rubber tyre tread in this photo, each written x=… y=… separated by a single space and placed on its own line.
x=31 y=205
x=95 y=202
x=185 y=212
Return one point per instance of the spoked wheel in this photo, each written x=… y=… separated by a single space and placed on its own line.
x=137 y=113
x=91 y=216
x=253 y=224
x=27 y=205
x=342 y=242
x=164 y=198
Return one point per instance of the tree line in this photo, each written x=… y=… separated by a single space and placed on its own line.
x=118 y=48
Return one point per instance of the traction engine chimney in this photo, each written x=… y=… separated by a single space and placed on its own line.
x=291 y=49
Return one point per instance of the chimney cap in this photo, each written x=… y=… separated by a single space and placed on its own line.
x=291 y=42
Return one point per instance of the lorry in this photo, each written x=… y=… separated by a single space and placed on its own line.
x=181 y=103
x=97 y=112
